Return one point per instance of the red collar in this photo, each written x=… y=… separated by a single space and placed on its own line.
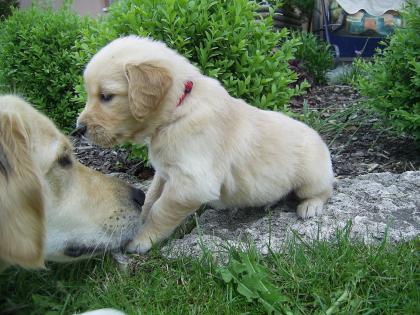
x=188 y=85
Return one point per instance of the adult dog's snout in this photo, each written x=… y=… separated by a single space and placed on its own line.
x=137 y=196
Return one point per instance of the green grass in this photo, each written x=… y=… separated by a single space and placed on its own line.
x=331 y=122
x=344 y=122
x=340 y=277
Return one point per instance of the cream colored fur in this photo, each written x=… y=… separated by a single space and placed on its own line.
x=212 y=149
x=51 y=205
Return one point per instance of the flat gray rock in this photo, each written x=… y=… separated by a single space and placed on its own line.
x=375 y=205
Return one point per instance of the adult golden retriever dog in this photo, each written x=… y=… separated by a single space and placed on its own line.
x=51 y=206
x=206 y=146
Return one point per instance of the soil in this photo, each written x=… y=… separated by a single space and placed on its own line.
x=355 y=150
x=362 y=147
x=116 y=160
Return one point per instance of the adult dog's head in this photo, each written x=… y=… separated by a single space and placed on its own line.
x=133 y=85
x=51 y=206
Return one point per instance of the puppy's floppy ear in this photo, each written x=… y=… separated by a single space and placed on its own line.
x=148 y=84
x=21 y=202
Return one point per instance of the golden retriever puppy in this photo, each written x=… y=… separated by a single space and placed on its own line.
x=206 y=146
x=51 y=206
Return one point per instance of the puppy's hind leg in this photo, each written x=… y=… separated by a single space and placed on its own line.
x=313 y=198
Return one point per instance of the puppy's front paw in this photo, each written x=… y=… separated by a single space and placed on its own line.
x=310 y=208
x=142 y=244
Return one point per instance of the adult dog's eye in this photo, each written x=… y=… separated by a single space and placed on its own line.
x=106 y=97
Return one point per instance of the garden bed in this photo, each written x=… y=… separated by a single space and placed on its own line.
x=356 y=143
x=107 y=161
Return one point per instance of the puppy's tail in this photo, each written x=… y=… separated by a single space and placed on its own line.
x=21 y=202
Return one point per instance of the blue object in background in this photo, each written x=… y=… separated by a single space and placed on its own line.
x=356 y=40
x=352 y=46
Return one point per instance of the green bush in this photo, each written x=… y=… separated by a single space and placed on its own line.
x=391 y=81
x=315 y=55
x=36 y=60
x=305 y=6
x=6 y=8
x=221 y=37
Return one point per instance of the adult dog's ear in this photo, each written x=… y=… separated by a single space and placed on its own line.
x=21 y=201
x=148 y=84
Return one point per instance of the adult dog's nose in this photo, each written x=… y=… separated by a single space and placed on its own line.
x=80 y=130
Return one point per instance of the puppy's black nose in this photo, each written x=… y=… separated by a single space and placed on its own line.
x=79 y=131
x=138 y=197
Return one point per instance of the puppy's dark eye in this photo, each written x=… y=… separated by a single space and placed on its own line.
x=65 y=161
x=106 y=97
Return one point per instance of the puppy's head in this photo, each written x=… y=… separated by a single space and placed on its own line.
x=128 y=82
